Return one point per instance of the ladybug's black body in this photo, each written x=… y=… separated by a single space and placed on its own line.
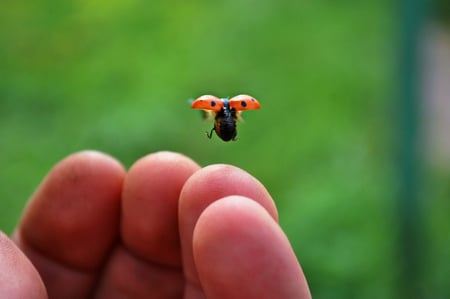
x=227 y=113
x=225 y=123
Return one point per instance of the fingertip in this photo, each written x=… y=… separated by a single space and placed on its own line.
x=76 y=206
x=241 y=252
x=219 y=180
x=97 y=156
x=206 y=186
x=171 y=162
x=91 y=162
x=233 y=216
x=150 y=205
x=18 y=278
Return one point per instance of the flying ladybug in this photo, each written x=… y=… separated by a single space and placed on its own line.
x=227 y=112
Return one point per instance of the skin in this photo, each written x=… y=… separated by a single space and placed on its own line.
x=165 y=229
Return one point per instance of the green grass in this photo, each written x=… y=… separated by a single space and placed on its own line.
x=116 y=76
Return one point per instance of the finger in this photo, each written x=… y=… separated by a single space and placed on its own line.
x=18 y=278
x=72 y=221
x=241 y=252
x=203 y=188
x=150 y=206
x=149 y=265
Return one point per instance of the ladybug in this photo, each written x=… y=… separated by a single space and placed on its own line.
x=227 y=111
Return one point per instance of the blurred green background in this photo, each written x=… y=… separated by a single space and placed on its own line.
x=116 y=76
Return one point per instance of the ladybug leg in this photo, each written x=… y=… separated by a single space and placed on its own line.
x=209 y=135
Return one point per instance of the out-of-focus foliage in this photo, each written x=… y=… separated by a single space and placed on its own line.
x=441 y=9
x=116 y=76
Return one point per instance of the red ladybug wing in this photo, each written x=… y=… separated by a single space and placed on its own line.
x=207 y=102
x=244 y=102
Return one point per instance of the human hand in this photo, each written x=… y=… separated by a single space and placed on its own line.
x=165 y=229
